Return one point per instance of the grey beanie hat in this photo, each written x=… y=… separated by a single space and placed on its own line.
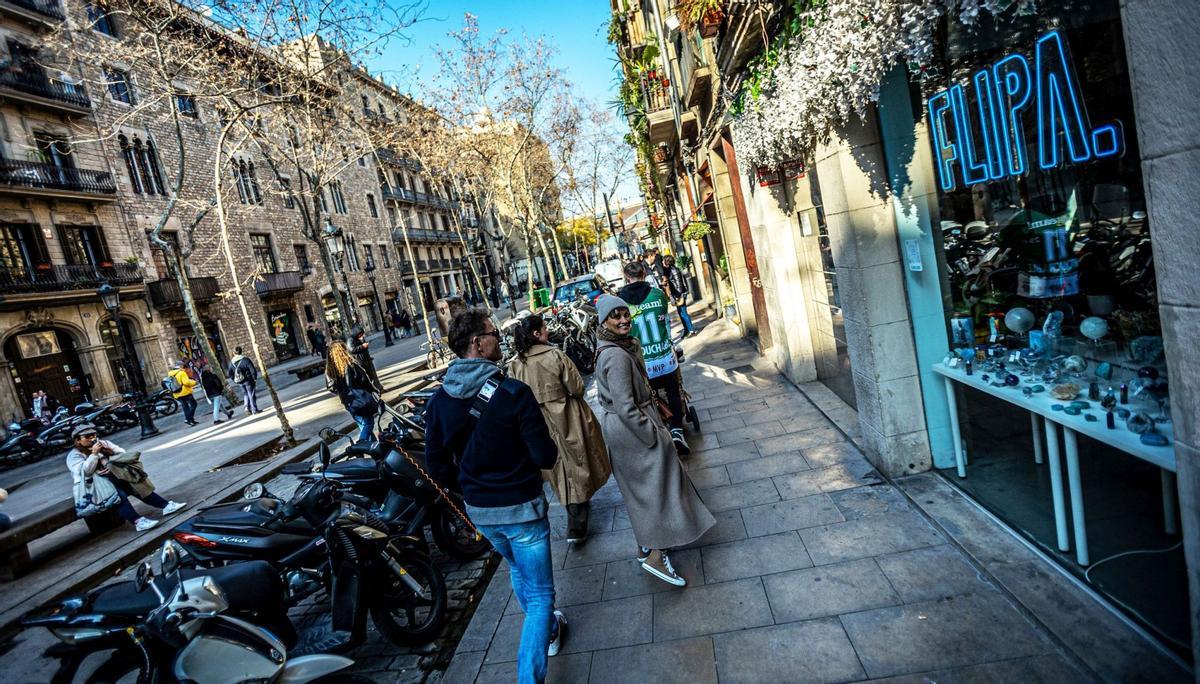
x=607 y=303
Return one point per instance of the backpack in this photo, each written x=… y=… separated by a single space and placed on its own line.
x=240 y=373
x=172 y=384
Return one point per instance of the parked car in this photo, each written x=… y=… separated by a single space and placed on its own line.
x=592 y=286
x=613 y=273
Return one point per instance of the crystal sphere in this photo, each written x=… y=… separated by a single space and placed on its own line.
x=1093 y=327
x=1019 y=320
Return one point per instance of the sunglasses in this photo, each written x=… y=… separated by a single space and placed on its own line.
x=88 y=435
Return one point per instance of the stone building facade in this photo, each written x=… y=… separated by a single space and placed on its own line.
x=82 y=180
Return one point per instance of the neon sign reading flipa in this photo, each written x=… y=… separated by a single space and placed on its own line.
x=988 y=140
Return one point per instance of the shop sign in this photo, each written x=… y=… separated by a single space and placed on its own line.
x=767 y=176
x=793 y=169
x=1006 y=95
x=279 y=328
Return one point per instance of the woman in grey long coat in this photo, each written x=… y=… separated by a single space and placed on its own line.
x=664 y=508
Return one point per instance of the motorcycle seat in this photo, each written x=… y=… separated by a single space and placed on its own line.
x=250 y=587
x=354 y=469
x=372 y=449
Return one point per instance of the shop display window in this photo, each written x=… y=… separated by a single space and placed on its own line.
x=1049 y=286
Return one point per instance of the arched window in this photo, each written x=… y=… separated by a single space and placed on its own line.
x=238 y=175
x=132 y=163
x=147 y=165
x=153 y=165
x=256 y=195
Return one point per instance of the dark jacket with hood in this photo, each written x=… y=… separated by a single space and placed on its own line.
x=500 y=462
x=635 y=293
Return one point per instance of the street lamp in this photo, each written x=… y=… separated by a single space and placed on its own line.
x=335 y=243
x=387 y=331
x=110 y=297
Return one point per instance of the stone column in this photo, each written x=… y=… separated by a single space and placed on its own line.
x=1160 y=43
x=862 y=232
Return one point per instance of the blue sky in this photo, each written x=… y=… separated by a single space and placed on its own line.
x=576 y=27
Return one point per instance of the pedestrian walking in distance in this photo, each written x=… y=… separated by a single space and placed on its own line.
x=678 y=287
x=95 y=457
x=347 y=379
x=215 y=390
x=486 y=437
x=243 y=372
x=582 y=466
x=664 y=509
x=318 y=340
x=181 y=385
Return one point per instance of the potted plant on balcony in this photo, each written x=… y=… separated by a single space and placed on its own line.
x=705 y=14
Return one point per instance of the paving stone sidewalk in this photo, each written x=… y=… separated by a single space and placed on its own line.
x=817 y=571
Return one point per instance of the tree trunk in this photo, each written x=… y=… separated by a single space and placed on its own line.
x=285 y=426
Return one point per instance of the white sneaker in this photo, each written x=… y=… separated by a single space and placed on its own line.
x=680 y=441
x=663 y=570
x=173 y=506
x=144 y=524
x=559 y=633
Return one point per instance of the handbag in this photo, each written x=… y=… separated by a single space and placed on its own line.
x=94 y=494
x=360 y=402
x=664 y=410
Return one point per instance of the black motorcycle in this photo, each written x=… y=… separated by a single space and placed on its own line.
x=326 y=538
x=161 y=403
x=21 y=444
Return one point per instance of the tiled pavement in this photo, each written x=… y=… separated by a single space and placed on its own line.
x=817 y=571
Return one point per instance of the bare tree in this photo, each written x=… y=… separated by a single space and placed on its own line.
x=599 y=162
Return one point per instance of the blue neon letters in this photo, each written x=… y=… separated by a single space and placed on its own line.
x=988 y=140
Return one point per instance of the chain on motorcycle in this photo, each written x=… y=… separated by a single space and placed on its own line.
x=437 y=488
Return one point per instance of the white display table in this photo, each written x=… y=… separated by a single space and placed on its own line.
x=1044 y=419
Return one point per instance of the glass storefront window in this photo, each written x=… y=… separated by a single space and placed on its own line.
x=1048 y=269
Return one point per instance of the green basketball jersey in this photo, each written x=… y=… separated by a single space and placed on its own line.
x=652 y=327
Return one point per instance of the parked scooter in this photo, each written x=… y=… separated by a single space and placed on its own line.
x=21 y=443
x=198 y=628
x=326 y=537
x=161 y=403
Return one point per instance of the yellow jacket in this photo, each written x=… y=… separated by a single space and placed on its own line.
x=186 y=383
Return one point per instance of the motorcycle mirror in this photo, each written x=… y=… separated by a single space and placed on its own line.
x=325 y=455
x=254 y=491
x=169 y=557
x=144 y=575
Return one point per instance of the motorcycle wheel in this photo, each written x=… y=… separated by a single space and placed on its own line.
x=166 y=407
x=455 y=538
x=124 y=667
x=105 y=426
x=405 y=618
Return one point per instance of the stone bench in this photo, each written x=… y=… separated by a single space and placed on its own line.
x=309 y=370
x=14 y=542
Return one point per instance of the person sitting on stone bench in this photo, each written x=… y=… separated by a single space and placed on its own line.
x=100 y=457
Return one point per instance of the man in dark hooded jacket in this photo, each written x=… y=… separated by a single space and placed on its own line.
x=492 y=427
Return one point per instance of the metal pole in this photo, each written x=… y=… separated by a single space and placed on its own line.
x=149 y=429
x=387 y=331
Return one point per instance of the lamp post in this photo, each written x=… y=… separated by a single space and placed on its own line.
x=110 y=297
x=335 y=242
x=387 y=331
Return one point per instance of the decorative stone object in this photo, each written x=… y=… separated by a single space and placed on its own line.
x=1094 y=391
x=1053 y=326
x=1074 y=364
x=1056 y=407
x=1091 y=418
x=1147 y=350
x=1123 y=413
x=1109 y=400
x=1038 y=388
x=1093 y=328
x=1027 y=391
x=1148 y=372
x=1154 y=439
x=1072 y=410
x=1140 y=423
x=1011 y=380
x=1080 y=404
x=1104 y=370
x=1019 y=320
x=1066 y=391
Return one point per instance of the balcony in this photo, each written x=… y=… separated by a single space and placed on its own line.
x=42 y=12
x=34 y=178
x=397 y=194
x=30 y=84
x=280 y=283
x=422 y=265
x=165 y=293
x=697 y=75
x=659 y=114
x=423 y=235
x=60 y=284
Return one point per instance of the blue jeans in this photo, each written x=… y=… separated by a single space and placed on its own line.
x=250 y=396
x=687 y=320
x=188 y=402
x=217 y=400
x=366 y=427
x=125 y=509
x=526 y=547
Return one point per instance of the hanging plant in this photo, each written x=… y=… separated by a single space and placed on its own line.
x=705 y=13
x=696 y=230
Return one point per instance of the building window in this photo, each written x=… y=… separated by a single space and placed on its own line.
x=369 y=256
x=246 y=181
x=84 y=246
x=351 y=253
x=302 y=259
x=141 y=163
x=391 y=214
x=289 y=200
x=186 y=105
x=21 y=250
x=339 y=200
x=162 y=265
x=119 y=85
x=362 y=161
x=371 y=206
x=387 y=260
x=264 y=256
x=100 y=19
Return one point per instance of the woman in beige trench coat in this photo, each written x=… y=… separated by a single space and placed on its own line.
x=664 y=509
x=582 y=466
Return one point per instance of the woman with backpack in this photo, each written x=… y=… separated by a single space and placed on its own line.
x=347 y=379
x=242 y=371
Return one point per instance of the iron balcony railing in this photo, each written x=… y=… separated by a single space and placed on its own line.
x=424 y=235
x=279 y=283
x=50 y=177
x=30 y=82
x=165 y=293
x=47 y=8
x=59 y=277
